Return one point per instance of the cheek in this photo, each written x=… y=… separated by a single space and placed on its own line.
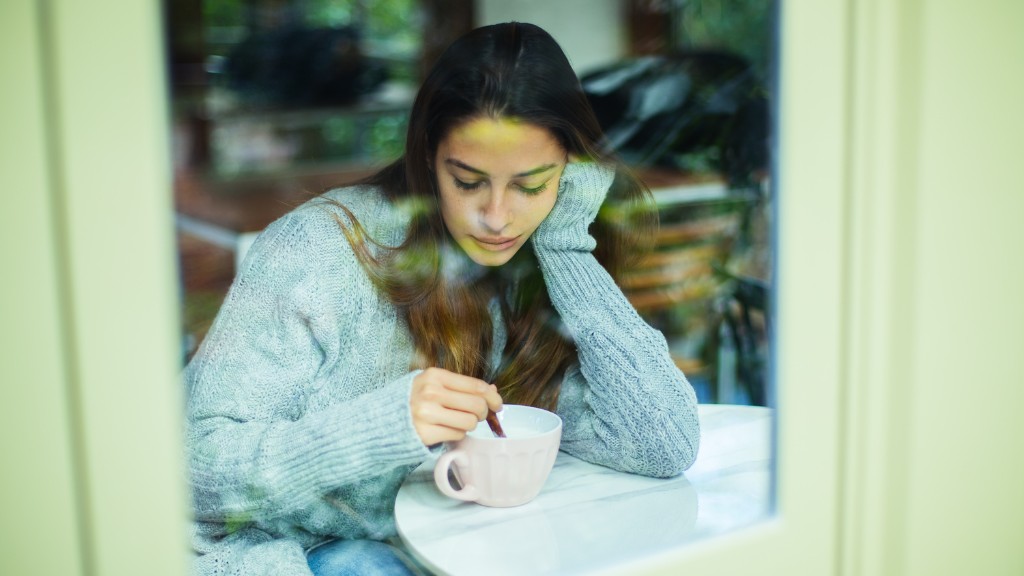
x=544 y=207
x=452 y=211
x=549 y=200
x=532 y=214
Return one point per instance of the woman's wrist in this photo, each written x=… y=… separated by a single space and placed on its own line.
x=581 y=191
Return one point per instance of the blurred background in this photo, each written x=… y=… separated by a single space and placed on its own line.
x=274 y=101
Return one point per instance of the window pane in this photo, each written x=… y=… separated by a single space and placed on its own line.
x=276 y=101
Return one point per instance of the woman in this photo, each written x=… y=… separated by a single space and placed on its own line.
x=377 y=321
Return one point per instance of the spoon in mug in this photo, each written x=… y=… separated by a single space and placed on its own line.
x=492 y=421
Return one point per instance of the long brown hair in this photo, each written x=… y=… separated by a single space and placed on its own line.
x=510 y=70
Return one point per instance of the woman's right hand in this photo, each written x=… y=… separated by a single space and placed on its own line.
x=446 y=405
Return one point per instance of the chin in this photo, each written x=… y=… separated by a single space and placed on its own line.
x=492 y=259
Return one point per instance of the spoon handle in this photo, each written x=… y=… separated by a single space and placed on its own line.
x=492 y=421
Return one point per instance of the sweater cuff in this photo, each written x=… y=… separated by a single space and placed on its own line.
x=345 y=443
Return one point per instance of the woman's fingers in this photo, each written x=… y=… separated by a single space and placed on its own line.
x=473 y=387
x=465 y=403
x=494 y=401
x=446 y=405
x=433 y=434
x=455 y=382
x=454 y=391
x=435 y=423
x=434 y=413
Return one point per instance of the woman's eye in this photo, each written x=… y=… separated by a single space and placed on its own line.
x=467 y=185
x=532 y=191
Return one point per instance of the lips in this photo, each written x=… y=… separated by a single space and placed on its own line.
x=496 y=244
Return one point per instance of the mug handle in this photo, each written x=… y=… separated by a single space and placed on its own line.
x=444 y=463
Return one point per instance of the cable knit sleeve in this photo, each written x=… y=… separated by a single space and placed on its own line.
x=256 y=455
x=625 y=405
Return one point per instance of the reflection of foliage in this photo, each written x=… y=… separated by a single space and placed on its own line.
x=742 y=26
x=374 y=139
x=223 y=13
x=237 y=521
x=199 y=310
x=394 y=21
x=267 y=53
x=387 y=137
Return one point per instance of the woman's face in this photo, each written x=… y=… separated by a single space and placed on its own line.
x=498 y=179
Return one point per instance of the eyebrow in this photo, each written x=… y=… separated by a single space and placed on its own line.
x=468 y=168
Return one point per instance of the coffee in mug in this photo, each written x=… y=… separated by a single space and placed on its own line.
x=502 y=472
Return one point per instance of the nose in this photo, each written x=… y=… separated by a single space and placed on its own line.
x=496 y=214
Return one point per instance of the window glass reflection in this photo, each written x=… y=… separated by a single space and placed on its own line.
x=278 y=100
x=262 y=119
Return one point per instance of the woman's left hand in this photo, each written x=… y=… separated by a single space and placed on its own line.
x=581 y=192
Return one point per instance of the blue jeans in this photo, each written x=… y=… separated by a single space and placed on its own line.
x=356 y=558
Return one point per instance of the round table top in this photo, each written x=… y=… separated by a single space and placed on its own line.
x=588 y=517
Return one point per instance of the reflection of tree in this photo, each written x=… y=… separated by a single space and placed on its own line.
x=325 y=57
x=741 y=26
x=695 y=97
x=392 y=26
x=744 y=27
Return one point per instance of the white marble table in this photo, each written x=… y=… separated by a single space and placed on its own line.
x=588 y=518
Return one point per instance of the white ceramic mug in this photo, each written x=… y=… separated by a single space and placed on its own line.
x=502 y=472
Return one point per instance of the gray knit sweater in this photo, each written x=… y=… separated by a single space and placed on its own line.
x=298 y=421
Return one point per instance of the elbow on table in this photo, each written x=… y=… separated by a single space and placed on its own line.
x=670 y=460
x=672 y=431
x=667 y=455
x=677 y=441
